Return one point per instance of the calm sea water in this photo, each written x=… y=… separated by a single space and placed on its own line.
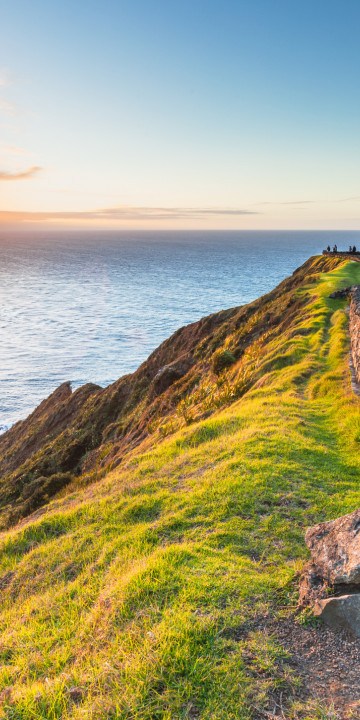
x=91 y=307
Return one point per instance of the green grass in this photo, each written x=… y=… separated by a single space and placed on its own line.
x=143 y=590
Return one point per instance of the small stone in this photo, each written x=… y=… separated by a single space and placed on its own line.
x=342 y=613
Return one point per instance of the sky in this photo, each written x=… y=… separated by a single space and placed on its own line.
x=203 y=114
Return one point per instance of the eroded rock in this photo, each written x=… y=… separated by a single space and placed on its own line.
x=335 y=549
x=340 y=294
x=331 y=580
x=312 y=586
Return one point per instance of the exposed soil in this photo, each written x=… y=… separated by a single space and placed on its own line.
x=327 y=662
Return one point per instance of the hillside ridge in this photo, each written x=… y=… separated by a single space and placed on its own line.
x=83 y=434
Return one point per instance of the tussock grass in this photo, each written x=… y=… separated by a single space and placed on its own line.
x=143 y=591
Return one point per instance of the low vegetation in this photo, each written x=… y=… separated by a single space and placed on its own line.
x=145 y=595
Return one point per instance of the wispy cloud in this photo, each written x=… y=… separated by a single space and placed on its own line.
x=355 y=198
x=21 y=175
x=124 y=213
x=14 y=150
x=86 y=193
x=146 y=213
x=288 y=202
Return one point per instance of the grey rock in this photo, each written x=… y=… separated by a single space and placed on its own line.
x=335 y=549
x=342 y=613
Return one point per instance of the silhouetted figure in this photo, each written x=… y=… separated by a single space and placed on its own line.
x=335 y=249
x=354 y=249
x=328 y=248
x=351 y=249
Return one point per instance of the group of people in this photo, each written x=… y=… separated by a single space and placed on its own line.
x=352 y=249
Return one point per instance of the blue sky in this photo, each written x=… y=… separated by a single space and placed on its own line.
x=192 y=114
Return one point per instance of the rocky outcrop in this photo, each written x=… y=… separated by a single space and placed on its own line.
x=49 y=419
x=335 y=549
x=169 y=374
x=334 y=570
x=340 y=294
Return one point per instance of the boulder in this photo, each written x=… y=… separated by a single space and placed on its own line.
x=335 y=550
x=331 y=580
x=341 y=613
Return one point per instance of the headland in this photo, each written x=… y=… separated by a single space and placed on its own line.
x=153 y=531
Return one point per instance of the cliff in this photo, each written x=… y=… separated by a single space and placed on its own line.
x=157 y=577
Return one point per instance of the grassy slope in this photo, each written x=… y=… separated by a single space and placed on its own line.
x=78 y=437
x=136 y=589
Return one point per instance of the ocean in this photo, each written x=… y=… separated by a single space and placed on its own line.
x=91 y=306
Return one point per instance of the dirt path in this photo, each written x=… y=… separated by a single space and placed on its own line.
x=327 y=662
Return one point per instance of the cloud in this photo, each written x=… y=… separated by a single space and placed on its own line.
x=354 y=198
x=88 y=194
x=288 y=202
x=22 y=175
x=298 y=202
x=174 y=213
x=14 y=150
x=125 y=213
x=146 y=213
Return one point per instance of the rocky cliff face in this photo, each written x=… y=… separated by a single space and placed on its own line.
x=202 y=367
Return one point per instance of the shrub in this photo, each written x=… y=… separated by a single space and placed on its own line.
x=221 y=360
